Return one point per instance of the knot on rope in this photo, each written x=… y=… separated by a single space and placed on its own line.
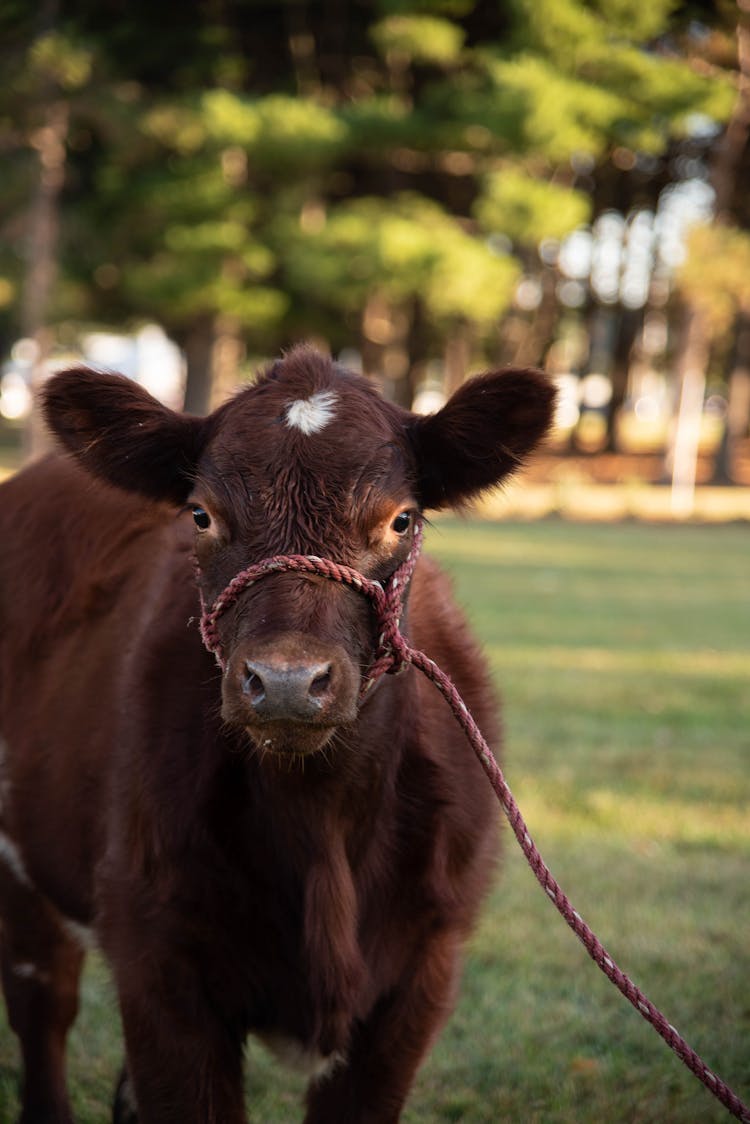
x=392 y=655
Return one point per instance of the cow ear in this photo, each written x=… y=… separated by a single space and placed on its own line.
x=117 y=431
x=481 y=435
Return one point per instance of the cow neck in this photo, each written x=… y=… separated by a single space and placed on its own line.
x=392 y=651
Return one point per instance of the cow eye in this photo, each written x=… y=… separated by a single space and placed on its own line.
x=202 y=518
x=401 y=523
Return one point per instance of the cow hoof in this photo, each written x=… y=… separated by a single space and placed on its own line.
x=124 y=1108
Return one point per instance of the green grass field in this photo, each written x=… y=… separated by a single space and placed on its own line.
x=623 y=657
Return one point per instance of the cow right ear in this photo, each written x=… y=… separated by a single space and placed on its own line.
x=482 y=435
x=120 y=433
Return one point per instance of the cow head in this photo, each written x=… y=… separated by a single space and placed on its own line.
x=308 y=460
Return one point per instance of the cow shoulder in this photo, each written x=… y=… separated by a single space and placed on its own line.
x=71 y=544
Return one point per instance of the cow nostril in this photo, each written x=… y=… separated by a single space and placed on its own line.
x=254 y=687
x=321 y=684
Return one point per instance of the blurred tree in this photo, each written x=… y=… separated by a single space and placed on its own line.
x=382 y=173
x=715 y=279
x=609 y=94
x=46 y=70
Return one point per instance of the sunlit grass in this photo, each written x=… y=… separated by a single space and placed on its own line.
x=698 y=663
x=622 y=654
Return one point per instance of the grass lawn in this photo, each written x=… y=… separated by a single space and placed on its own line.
x=623 y=657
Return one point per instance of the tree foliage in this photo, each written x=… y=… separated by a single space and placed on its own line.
x=260 y=167
x=716 y=275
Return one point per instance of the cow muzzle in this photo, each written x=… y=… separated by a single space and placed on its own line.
x=290 y=695
x=301 y=692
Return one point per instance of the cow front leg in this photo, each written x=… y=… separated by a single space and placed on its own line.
x=387 y=1048
x=184 y=1066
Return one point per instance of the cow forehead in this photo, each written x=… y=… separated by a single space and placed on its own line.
x=310 y=425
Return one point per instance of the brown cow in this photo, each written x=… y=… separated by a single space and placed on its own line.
x=254 y=850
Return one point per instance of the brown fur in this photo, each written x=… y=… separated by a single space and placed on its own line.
x=306 y=880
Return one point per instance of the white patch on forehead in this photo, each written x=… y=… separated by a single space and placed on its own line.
x=312 y=414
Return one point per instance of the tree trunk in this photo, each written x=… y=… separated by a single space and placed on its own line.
x=738 y=406
x=684 y=453
x=198 y=345
x=630 y=322
x=457 y=357
x=385 y=347
x=539 y=331
x=49 y=140
x=228 y=355
x=723 y=179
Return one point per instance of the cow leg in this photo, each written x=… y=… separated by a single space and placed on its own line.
x=41 y=966
x=184 y=1065
x=124 y=1108
x=386 y=1050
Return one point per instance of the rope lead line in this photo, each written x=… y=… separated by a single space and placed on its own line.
x=392 y=655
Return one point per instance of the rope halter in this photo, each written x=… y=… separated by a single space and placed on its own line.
x=392 y=653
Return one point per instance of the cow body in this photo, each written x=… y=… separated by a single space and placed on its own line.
x=255 y=849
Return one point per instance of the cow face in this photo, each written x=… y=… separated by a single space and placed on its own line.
x=309 y=460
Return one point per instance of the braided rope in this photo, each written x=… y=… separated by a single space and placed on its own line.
x=393 y=655
x=392 y=652
x=550 y=885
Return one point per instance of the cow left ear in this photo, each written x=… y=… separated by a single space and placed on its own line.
x=482 y=434
x=116 y=430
